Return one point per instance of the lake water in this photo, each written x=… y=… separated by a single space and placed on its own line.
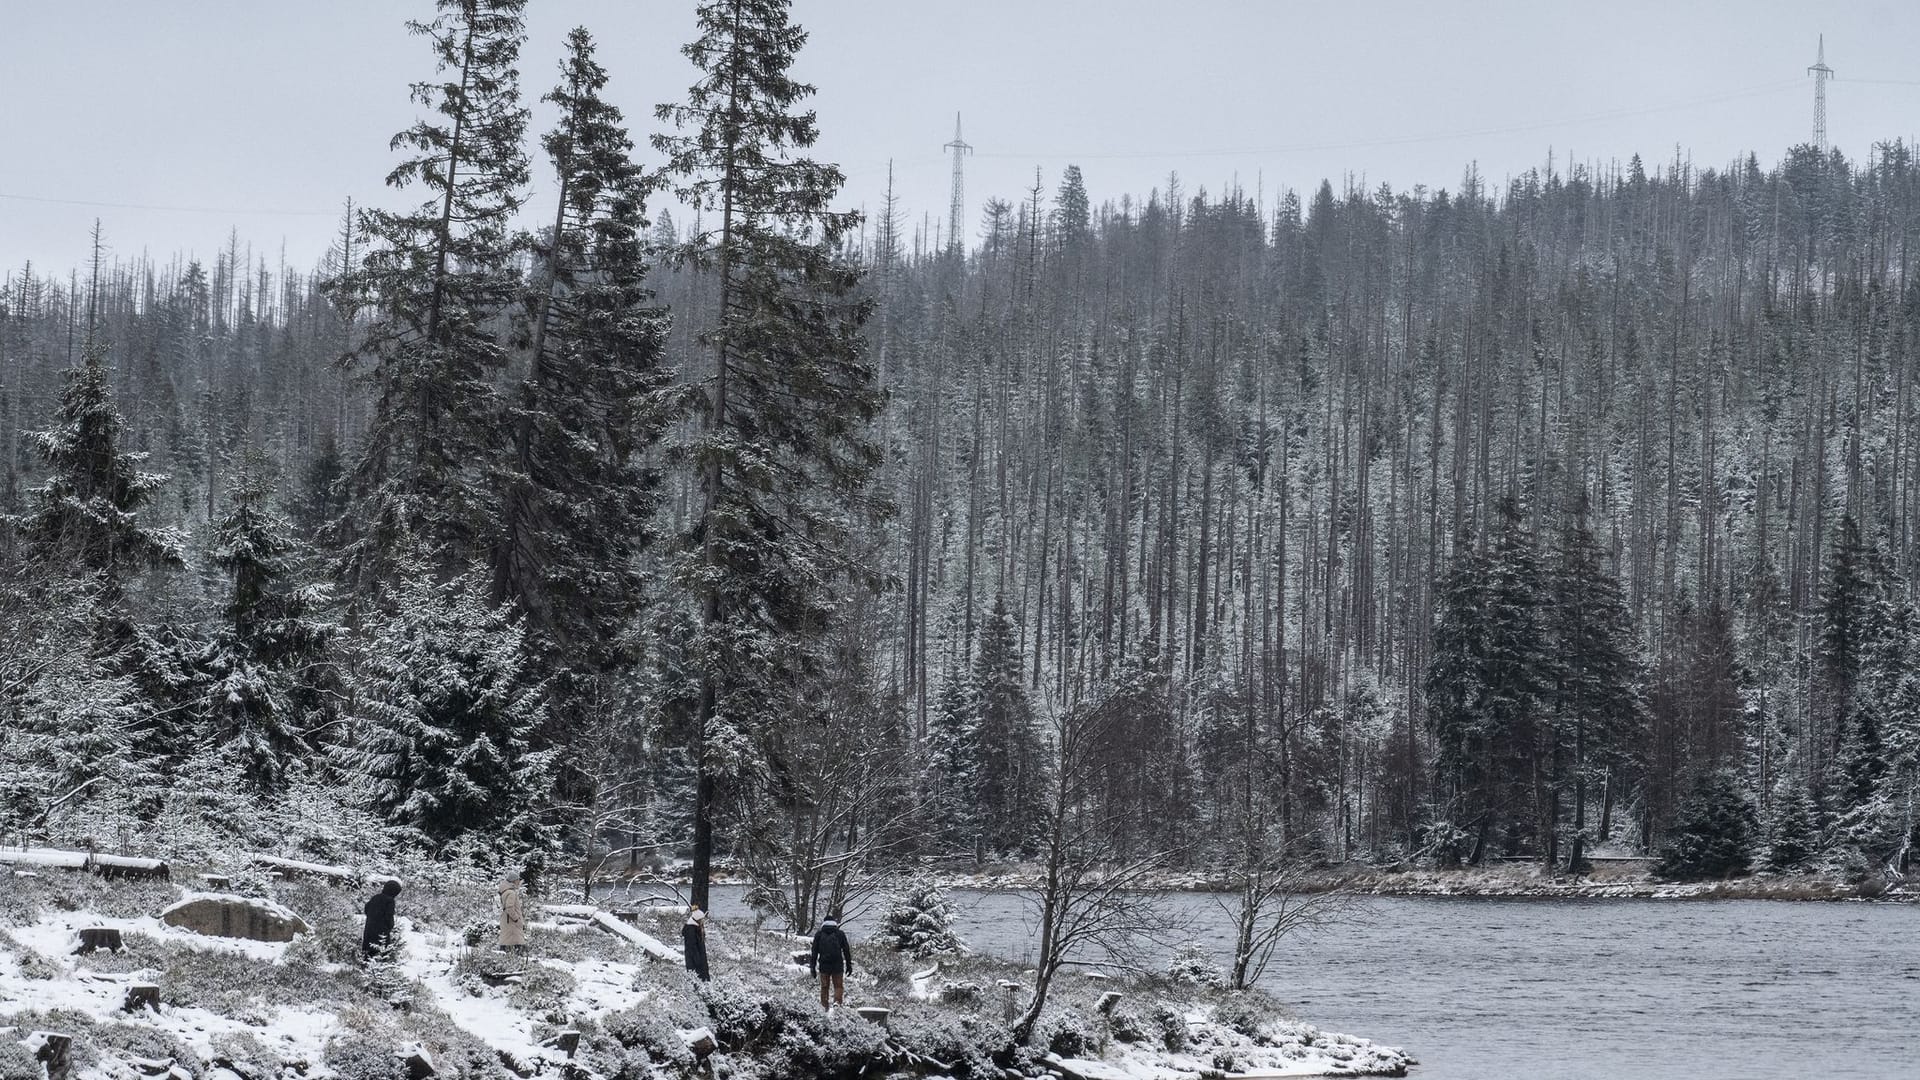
x=1580 y=990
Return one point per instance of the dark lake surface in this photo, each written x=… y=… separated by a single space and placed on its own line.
x=1578 y=989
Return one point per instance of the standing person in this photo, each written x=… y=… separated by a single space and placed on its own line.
x=831 y=959
x=377 y=937
x=693 y=940
x=513 y=916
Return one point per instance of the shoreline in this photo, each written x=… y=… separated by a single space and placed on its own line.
x=1512 y=881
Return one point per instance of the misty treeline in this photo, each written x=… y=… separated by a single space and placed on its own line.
x=1205 y=529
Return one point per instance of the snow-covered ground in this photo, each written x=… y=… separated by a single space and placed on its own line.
x=242 y=1010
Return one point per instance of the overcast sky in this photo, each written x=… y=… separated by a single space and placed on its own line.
x=265 y=115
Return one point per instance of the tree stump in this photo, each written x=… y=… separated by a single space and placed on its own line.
x=54 y=1050
x=419 y=1064
x=628 y=916
x=1012 y=989
x=141 y=996
x=566 y=1042
x=220 y=882
x=874 y=1014
x=700 y=1041
x=1107 y=1001
x=98 y=937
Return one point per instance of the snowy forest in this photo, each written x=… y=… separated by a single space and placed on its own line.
x=707 y=520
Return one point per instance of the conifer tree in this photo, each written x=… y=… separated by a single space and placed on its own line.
x=1845 y=631
x=265 y=670
x=1010 y=774
x=1597 y=691
x=446 y=708
x=576 y=500
x=782 y=455
x=437 y=284
x=952 y=781
x=86 y=519
x=1793 y=836
x=1714 y=834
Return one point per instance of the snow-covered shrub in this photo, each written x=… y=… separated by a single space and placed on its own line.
x=961 y=993
x=1448 y=843
x=16 y=1063
x=247 y=1050
x=644 y=1030
x=543 y=992
x=1193 y=965
x=236 y=984
x=738 y=1014
x=137 y=951
x=919 y=920
x=964 y=1043
x=1069 y=1033
x=1172 y=1025
x=1125 y=1025
x=140 y=1041
x=1239 y=1015
x=356 y=1057
x=19 y=905
x=384 y=980
x=840 y=1045
x=889 y=976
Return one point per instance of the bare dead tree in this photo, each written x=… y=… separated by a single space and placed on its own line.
x=1276 y=894
x=1088 y=902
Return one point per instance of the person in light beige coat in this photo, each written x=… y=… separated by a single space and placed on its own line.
x=513 y=916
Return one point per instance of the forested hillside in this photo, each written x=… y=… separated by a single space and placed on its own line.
x=1342 y=524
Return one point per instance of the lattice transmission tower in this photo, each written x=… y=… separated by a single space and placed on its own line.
x=958 y=210
x=1821 y=73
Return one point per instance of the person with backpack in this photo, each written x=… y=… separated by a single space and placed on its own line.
x=831 y=959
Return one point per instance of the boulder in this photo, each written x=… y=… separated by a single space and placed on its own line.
x=227 y=915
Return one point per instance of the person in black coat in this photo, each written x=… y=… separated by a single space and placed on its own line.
x=378 y=935
x=831 y=959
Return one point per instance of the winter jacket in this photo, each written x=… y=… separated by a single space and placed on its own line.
x=379 y=911
x=513 y=916
x=831 y=954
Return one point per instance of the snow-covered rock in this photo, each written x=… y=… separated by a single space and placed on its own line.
x=233 y=916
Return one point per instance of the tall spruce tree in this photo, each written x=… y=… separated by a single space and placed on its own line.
x=265 y=671
x=86 y=520
x=446 y=706
x=1010 y=779
x=1488 y=679
x=438 y=283
x=576 y=499
x=782 y=454
x=1599 y=676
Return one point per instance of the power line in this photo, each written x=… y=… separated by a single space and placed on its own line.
x=170 y=209
x=1401 y=140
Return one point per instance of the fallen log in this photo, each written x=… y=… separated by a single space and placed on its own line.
x=651 y=945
